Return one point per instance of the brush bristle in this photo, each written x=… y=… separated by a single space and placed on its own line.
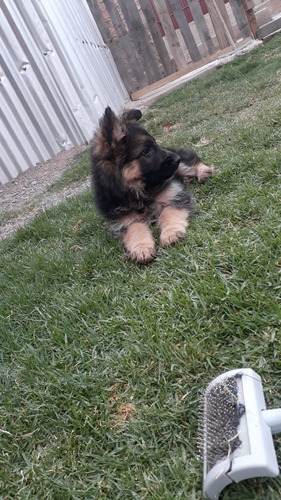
x=221 y=418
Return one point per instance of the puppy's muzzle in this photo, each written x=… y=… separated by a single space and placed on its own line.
x=172 y=157
x=171 y=162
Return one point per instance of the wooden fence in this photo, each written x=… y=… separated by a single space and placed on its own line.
x=152 y=39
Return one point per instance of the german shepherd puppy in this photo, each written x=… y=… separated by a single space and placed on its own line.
x=137 y=183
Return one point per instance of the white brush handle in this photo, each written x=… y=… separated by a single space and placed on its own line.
x=273 y=419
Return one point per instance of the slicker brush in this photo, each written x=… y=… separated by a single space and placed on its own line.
x=237 y=432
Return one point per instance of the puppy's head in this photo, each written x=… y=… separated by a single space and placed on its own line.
x=125 y=150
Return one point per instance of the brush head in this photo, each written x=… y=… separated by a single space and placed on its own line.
x=237 y=442
x=223 y=412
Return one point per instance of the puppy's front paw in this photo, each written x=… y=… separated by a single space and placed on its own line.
x=170 y=236
x=142 y=254
x=173 y=223
x=139 y=243
x=204 y=172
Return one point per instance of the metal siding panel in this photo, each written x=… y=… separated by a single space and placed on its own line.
x=13 y=109
x=57 y=77
x=10 y=149
x=31 y=81
x=5 y=174
x=84 y=49
x=16 y=133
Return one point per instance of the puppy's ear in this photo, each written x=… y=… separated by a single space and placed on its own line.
x=132 y=115
x=110 y=136
x=111 y=129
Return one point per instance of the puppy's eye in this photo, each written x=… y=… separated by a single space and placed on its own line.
x=147 y=150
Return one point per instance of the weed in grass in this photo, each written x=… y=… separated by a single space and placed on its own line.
x=103 y=362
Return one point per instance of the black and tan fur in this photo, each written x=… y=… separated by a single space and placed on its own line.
x=137 y=183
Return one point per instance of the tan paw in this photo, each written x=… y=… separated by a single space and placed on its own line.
x=142 y=254
x=139 y=243
x=204 y=172
x=173 y=223
x=170 y=236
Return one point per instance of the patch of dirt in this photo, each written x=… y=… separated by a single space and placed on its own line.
x=28 y=193
x=123 y=414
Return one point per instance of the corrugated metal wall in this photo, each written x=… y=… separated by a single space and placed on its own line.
x=56 y=78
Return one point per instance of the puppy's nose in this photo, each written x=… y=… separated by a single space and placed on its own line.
x=174 y=158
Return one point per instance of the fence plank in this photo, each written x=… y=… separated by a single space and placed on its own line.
x=215 y=16
x=240 y=17
x=139 y=38
x=185 y=30
x=168 y=64
x=126 y=44
x=201 y=26
x=222 y=9
x=248 y=6
x=114 y=48
x=170 y=33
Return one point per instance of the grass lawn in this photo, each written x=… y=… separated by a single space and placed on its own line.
x=103 y=361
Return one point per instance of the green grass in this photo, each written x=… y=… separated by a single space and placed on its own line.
x=76 y=172
x=103 y=361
